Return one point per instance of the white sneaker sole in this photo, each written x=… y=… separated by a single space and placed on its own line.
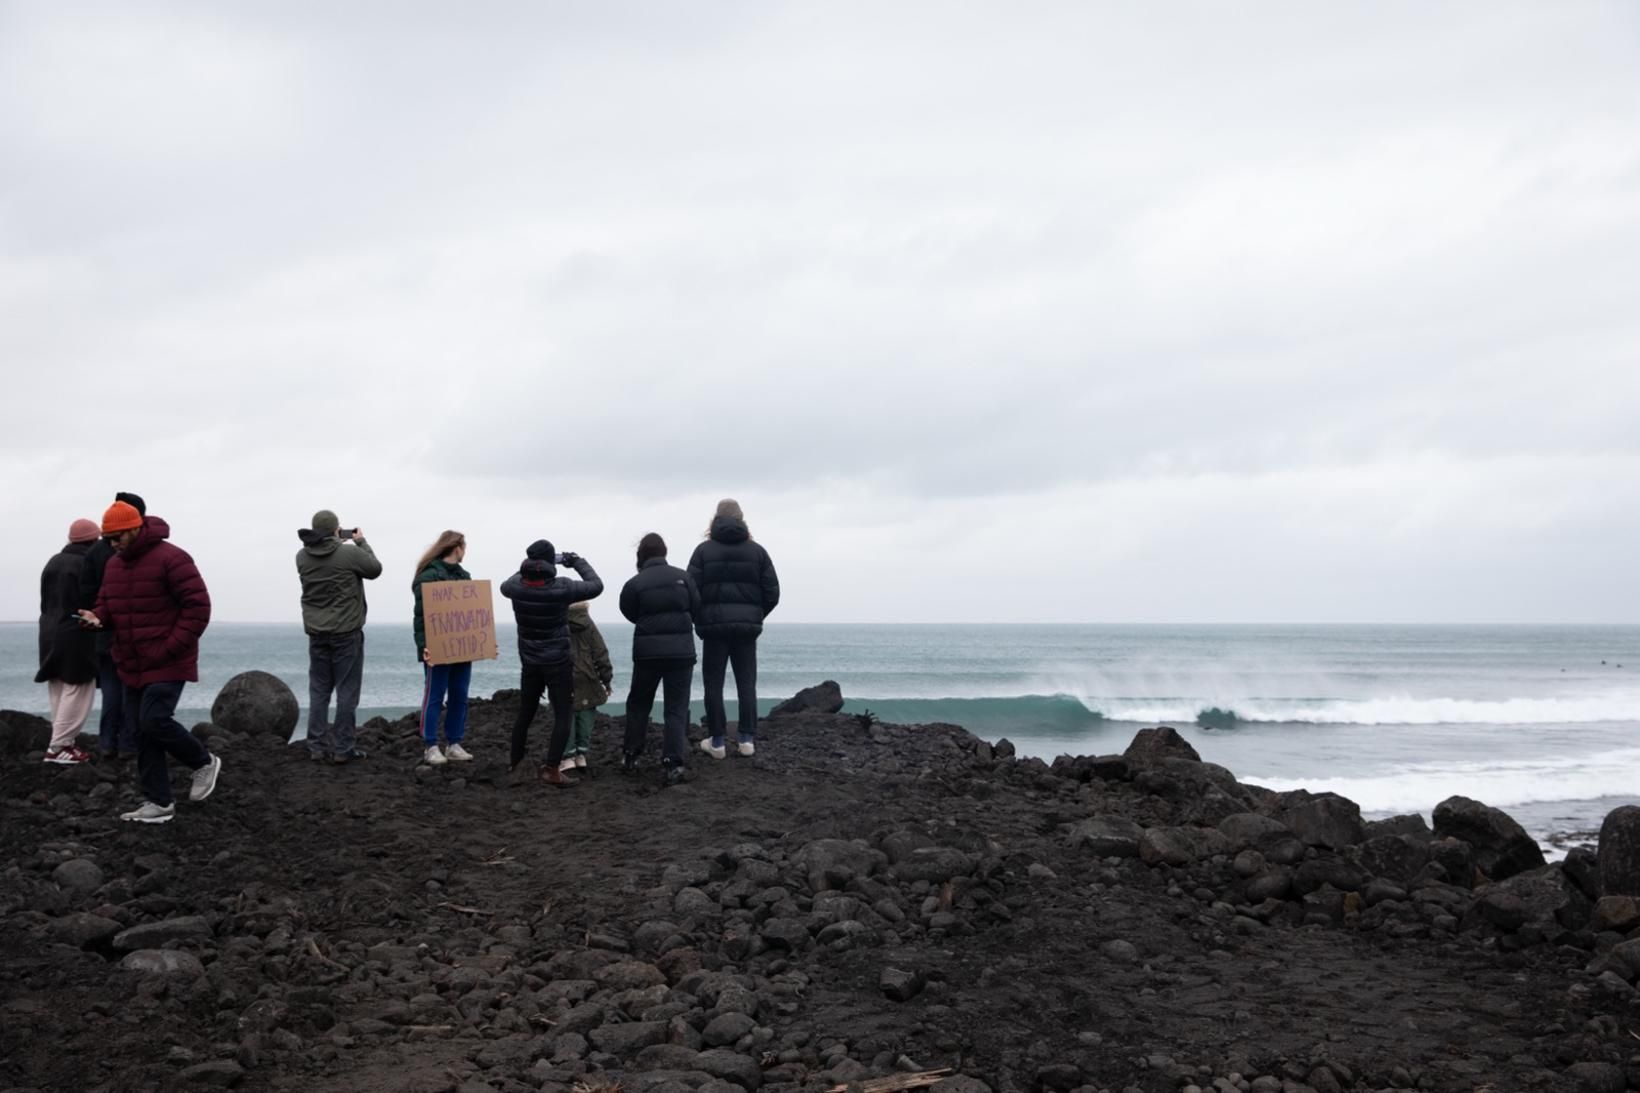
x=133 y=818
x=715 y=753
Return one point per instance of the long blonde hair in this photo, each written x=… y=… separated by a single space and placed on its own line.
x=730 y=508
x=446 y=542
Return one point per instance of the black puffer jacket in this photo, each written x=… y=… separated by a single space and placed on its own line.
x=661 y=602
x=541 y=600
x=737 y=583
x=68 y=651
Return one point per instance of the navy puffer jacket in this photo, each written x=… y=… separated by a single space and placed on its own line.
x=661 y=602
x=737 y=582
x=540 y=600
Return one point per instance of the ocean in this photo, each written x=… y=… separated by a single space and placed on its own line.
x=1543 y=721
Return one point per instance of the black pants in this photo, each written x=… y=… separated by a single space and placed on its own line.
x=717 y=654
x=335 y=663
x=117 y=731
x=674 y=675
x=557 y=682
x=159 y=734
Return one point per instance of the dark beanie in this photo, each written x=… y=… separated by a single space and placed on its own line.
x=133 y=500
x=541 y=550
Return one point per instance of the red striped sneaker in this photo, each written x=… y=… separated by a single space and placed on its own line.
x=67 y=757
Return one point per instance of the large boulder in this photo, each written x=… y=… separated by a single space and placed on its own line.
x=1153 y=745
x=1542 y=898
x=1501 y=846
x=824 y=697
x=1321 y=819
x=256 y=702
x=1619 y=852
x=1107 y=837
x=1180 y=845
x=1398 y=858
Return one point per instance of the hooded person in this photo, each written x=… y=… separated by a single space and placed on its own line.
x=117 y=726
x=154 y=604
x=68 y=651
x=332 y=566
x=594 y=673
x=738 y=590
x=541 y=601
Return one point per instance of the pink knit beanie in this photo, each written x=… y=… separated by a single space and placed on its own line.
x=84 y=531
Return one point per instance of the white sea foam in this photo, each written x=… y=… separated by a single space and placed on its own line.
x=1418 y=787
x=1400 y=710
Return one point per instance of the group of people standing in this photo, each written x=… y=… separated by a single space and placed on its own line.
x=123 y=609
x=728 y=589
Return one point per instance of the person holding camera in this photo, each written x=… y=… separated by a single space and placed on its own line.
x=333 y=565
x=541 y=600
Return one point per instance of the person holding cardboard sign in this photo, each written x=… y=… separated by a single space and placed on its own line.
x=445 y=690
x=541 y=600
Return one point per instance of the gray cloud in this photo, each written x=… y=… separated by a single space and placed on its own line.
x=1310 y=315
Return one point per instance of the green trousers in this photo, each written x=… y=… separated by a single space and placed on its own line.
x=580 y=734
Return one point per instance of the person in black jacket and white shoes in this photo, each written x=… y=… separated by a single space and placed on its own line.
x=661 y=602
x=738 y=589
x=541 y=600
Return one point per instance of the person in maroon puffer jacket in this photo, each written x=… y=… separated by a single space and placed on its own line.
x=154 y=603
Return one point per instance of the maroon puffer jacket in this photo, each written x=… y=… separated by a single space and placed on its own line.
x=154 y=602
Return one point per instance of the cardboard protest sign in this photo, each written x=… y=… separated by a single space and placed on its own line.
x=460 y=621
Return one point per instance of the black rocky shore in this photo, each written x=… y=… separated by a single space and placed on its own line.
x=861 y=907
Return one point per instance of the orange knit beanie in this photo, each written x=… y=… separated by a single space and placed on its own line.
x=120 y=517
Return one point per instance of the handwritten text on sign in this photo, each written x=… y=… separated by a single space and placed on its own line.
x=460 y=621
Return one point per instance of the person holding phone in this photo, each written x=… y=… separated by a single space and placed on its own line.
x=445 y=688
x=540 y=600
x=333 y=565
x=68 y=651
x=155 y=604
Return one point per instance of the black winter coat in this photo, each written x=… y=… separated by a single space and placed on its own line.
x=541 y=600
x=68 y=651
x=737 y=583
x=661 y=602
x=95 y=563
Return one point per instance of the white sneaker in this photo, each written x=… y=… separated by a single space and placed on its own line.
x=568 y=763
x=581 y=759
x=747 y=748
x=458 y=754
x=205 y=780
x=434 y=757
x=715 y=753
x=150 y=813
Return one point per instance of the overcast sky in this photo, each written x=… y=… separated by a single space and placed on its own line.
x=1014 y=312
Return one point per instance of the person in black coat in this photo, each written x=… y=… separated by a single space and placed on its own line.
x=541 y=600
x=738 y=589
x=68 y=651
x=661 y=602
x=117 y=729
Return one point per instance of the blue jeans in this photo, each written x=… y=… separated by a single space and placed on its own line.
x=117 y=731
x=447 y=690
x=160 y=734
x=335 y=663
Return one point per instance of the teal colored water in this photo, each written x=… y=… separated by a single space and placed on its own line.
x=1544 y=721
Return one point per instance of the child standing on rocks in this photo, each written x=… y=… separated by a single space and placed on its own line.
x=593 y=675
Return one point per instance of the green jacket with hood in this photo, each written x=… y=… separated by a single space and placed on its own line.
x=593 y=670
x=333 y=577
x=437 y=570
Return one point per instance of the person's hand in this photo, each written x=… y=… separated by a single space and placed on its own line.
x=426 y=657
x=89 y=620
x=357 y=536
x=571 y=558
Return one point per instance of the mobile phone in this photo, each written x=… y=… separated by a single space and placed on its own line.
x=558 y=559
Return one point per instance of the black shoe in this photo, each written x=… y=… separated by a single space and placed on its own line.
x=349 y=756
x=672 y=774
x=629 y=763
